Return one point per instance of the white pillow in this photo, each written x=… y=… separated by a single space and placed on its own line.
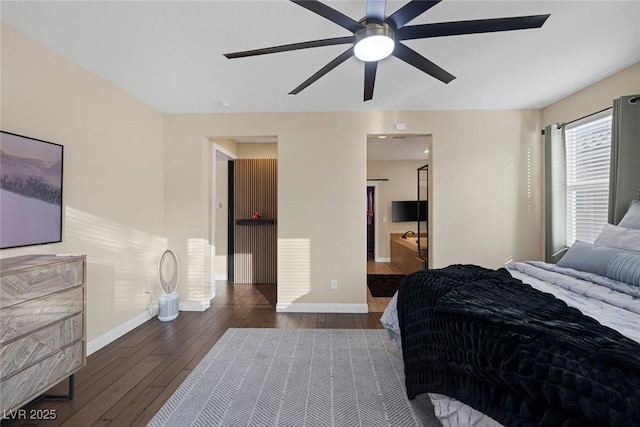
x=632 y=218
x=619 y=237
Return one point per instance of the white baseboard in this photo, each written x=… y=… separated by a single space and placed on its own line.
x=115 y=333
x=383 y=259
x=305 y=307
x=222 y=277
x=194 y=305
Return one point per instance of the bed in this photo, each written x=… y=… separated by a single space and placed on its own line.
x=529 y=344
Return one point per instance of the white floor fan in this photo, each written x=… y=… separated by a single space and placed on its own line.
x=168 y=274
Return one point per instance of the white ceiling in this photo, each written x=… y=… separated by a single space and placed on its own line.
x=169 y=53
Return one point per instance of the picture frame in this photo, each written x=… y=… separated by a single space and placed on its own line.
x=31 y=181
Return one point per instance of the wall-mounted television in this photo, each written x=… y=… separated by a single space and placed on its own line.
x=408 y=210
x=30 y=191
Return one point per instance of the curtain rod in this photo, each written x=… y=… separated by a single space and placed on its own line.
x=635 y=99
x=561 y=125
x=584 y=117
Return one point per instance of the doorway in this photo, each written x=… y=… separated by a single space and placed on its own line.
x=392 y=162
x=244 y=185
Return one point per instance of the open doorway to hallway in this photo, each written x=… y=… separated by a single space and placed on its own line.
x=244 y=210
x=392 y=191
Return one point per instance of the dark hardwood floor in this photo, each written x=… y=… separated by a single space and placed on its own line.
x=126 y=382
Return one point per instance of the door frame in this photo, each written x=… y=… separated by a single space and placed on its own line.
x=218 y=153
x=374 y=184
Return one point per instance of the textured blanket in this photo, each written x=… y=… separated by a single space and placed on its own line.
x=516 y=354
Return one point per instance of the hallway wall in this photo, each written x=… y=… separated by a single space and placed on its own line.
x=255 y=241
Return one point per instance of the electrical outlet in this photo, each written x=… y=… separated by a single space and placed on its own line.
x=334 y=284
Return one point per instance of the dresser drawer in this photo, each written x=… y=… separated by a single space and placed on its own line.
x=33 y=283
x=30 y=316
x=33 y=348
x=19 y=389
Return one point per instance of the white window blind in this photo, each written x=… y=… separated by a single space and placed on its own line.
x=588 y=151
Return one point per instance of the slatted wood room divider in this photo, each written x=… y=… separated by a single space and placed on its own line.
x=255 y=242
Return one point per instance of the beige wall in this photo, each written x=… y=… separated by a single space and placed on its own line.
x=402 y=184
x=595 y=97
x=113 y=174
x=137 y=181
x=486 y=192
x=257 y=151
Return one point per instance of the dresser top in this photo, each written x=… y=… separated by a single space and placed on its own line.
x=11 y=265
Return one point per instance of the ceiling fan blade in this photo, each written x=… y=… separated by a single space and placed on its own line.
x=375 y=11
x=471 y=27
x=370 y=69
x=330 y=13
x=412 y=57
x=410 y=11
x=293 y=46
x=324 y=70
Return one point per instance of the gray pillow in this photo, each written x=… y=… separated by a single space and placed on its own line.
x=632 y=218
x=616 y=264
x=619 y=237
x=625 y=267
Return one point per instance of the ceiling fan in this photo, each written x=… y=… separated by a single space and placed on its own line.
x=377 y=36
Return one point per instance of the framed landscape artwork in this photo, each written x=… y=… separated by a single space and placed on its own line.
x=30 y=191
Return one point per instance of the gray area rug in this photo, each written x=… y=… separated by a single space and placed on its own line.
x=297 y=377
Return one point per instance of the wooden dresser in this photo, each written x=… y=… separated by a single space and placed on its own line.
x=42 y=325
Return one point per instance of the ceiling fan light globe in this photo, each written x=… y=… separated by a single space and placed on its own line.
x=374 y=48
x=374 y=42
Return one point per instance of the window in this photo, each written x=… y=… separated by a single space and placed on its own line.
x=588 y=152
